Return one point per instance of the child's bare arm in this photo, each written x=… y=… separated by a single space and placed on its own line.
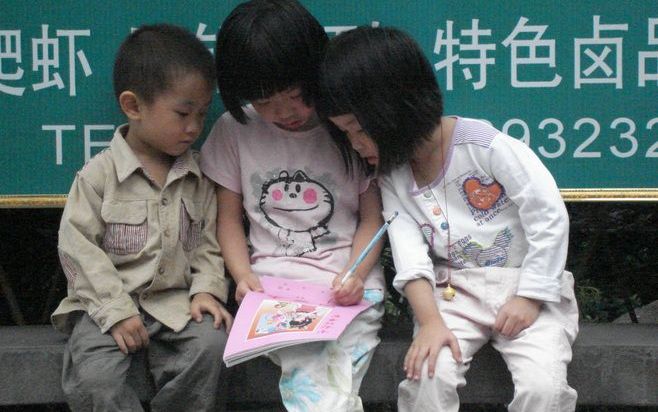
x=233 y=242
x=432 y=333
x=370 y=220
x=517 y=314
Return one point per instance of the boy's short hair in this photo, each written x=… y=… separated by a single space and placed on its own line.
x=381 y=76
x=153 y=57
x=265 y=47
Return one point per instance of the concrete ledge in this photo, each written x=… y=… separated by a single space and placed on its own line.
x=31 y=366
x=614 y=364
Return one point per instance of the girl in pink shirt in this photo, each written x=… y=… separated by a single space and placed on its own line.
x=309 y=215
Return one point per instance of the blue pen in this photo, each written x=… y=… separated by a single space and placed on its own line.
x=370 y=245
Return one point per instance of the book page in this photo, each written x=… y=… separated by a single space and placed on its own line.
x=285 y=316
x=288 y=313
x=297 y=291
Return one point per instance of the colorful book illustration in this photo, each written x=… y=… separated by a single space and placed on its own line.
x=288 y=313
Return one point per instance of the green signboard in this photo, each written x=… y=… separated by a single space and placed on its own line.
x=577 y=81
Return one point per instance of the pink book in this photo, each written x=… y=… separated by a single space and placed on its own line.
x=288 y=313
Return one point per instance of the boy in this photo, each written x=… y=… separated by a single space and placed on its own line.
x=137 y=239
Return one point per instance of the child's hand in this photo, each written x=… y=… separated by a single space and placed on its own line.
x=206 y=303
x=515 y=315
x=350 y=293
x=428 y=342
x=130 y=334
x=248 y=283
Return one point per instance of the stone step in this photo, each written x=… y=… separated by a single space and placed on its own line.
x=613 y=364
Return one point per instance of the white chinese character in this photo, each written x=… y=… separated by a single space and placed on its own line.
x=71 y=34
x=532 y=58
x=482 y=60
x=644 y=56
x=449 y=42
x=10 y=49
x=336 y=30
x=205 y=37
x=45 y=55
x=474 y=46
x=600 y=53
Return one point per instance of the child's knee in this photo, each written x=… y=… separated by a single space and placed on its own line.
x=92 y=379
x=448 y=375
x=210 y=343
x=447 y=371
x=544 y=387
x=436 y=393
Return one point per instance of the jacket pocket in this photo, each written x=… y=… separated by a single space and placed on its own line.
x=126 y=227
x=191 y=224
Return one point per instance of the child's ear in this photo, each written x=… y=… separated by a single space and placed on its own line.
x=130 y=104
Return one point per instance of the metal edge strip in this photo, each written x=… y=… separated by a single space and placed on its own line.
x=569 y=195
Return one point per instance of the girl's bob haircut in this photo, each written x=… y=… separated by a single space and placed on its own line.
x=265 y=47
x=381 y=76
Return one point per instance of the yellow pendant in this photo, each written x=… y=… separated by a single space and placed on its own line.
x=449 y=293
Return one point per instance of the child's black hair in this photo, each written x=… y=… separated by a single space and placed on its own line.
x=265 y=47
x=153 y=57
x=381 y=76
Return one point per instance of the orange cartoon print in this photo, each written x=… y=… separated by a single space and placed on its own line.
x=482 y=196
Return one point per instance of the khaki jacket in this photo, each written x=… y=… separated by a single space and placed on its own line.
x=125 y=243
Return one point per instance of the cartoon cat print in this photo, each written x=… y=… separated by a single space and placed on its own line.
x=299 y=208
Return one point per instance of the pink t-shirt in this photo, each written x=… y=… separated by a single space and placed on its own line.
x=301 y=204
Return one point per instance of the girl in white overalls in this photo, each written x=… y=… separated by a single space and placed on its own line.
x=481 y=240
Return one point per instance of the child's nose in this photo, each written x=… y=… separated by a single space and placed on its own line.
x=356 y=143
x=283 y=111
x=194 y=127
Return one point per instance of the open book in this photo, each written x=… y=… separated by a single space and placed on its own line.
x=287 y=313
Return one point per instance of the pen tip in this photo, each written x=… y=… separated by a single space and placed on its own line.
x=393 y=216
